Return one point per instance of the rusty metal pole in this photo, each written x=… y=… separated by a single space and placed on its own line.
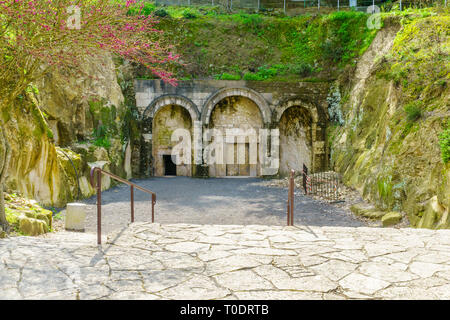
x=288 y=211
x=153 y=207
x=291 y=205
x=99 y=207
x=132 y=202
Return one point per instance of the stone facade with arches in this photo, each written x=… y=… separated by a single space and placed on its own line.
x=297 y=109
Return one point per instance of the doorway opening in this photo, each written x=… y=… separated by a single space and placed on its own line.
x=170 y=168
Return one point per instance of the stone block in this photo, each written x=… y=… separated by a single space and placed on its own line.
x=366 y=211
x=75 y=216
x=32 y=227
x=391 y=218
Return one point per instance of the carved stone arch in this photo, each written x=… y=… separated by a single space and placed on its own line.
x=318 y=126
x=296 y=102
x=221 y=94
x=170 y=99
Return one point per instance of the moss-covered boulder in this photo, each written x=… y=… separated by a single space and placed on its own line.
x=391 y=218
x=434 y=215
x=43 y=215
x=367 y=211
x=32 y=227
x=27 y=217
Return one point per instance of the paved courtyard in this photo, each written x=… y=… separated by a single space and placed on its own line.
x=240 y=201
x=188 y=261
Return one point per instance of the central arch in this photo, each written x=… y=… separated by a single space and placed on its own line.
x=238 y=120
x=221 y=94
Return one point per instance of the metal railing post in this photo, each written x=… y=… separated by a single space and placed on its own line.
x=132 y=202
x=99 y=207
x=288 y=212
x=291 y=205
x=153 y=207
x=290 y=201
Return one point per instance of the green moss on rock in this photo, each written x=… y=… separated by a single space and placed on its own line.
x=367 y=211
x=27 y=217
x=391 y=218
x=396 y=161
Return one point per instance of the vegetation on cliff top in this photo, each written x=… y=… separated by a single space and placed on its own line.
x=261 y=47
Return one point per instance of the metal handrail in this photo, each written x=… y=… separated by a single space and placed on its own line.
x=99 y=197
x=290 y=201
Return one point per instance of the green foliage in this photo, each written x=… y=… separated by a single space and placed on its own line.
x=102 y=137
x=189 y=14
x=252 y=77
x=444 y=143
x=266 y=47
x=104 y=142
x=228 y=76
x=267 y=72
x=146 y=10
x=385 y=189
x=337 y=38
x=420 y=55
x=106 y=122
x=251 y=22
x=302 y=69
x=413 y=110
x=161 y=13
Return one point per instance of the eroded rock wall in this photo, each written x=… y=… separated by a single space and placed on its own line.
x=392 y=158
x=72 y=122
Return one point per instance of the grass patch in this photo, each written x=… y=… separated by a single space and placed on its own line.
x=444 y=143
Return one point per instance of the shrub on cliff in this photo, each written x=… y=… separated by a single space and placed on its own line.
x=413 y=110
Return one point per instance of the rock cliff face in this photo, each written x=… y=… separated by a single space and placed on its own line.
x=78 y=125
x=394 y=110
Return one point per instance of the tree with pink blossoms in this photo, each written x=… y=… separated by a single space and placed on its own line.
x=37 y=36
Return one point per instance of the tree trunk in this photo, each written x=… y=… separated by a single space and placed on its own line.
x=4 y=164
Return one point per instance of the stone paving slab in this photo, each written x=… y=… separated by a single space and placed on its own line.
x=184 y=261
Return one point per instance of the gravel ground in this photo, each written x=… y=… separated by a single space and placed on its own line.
x=223 y=201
